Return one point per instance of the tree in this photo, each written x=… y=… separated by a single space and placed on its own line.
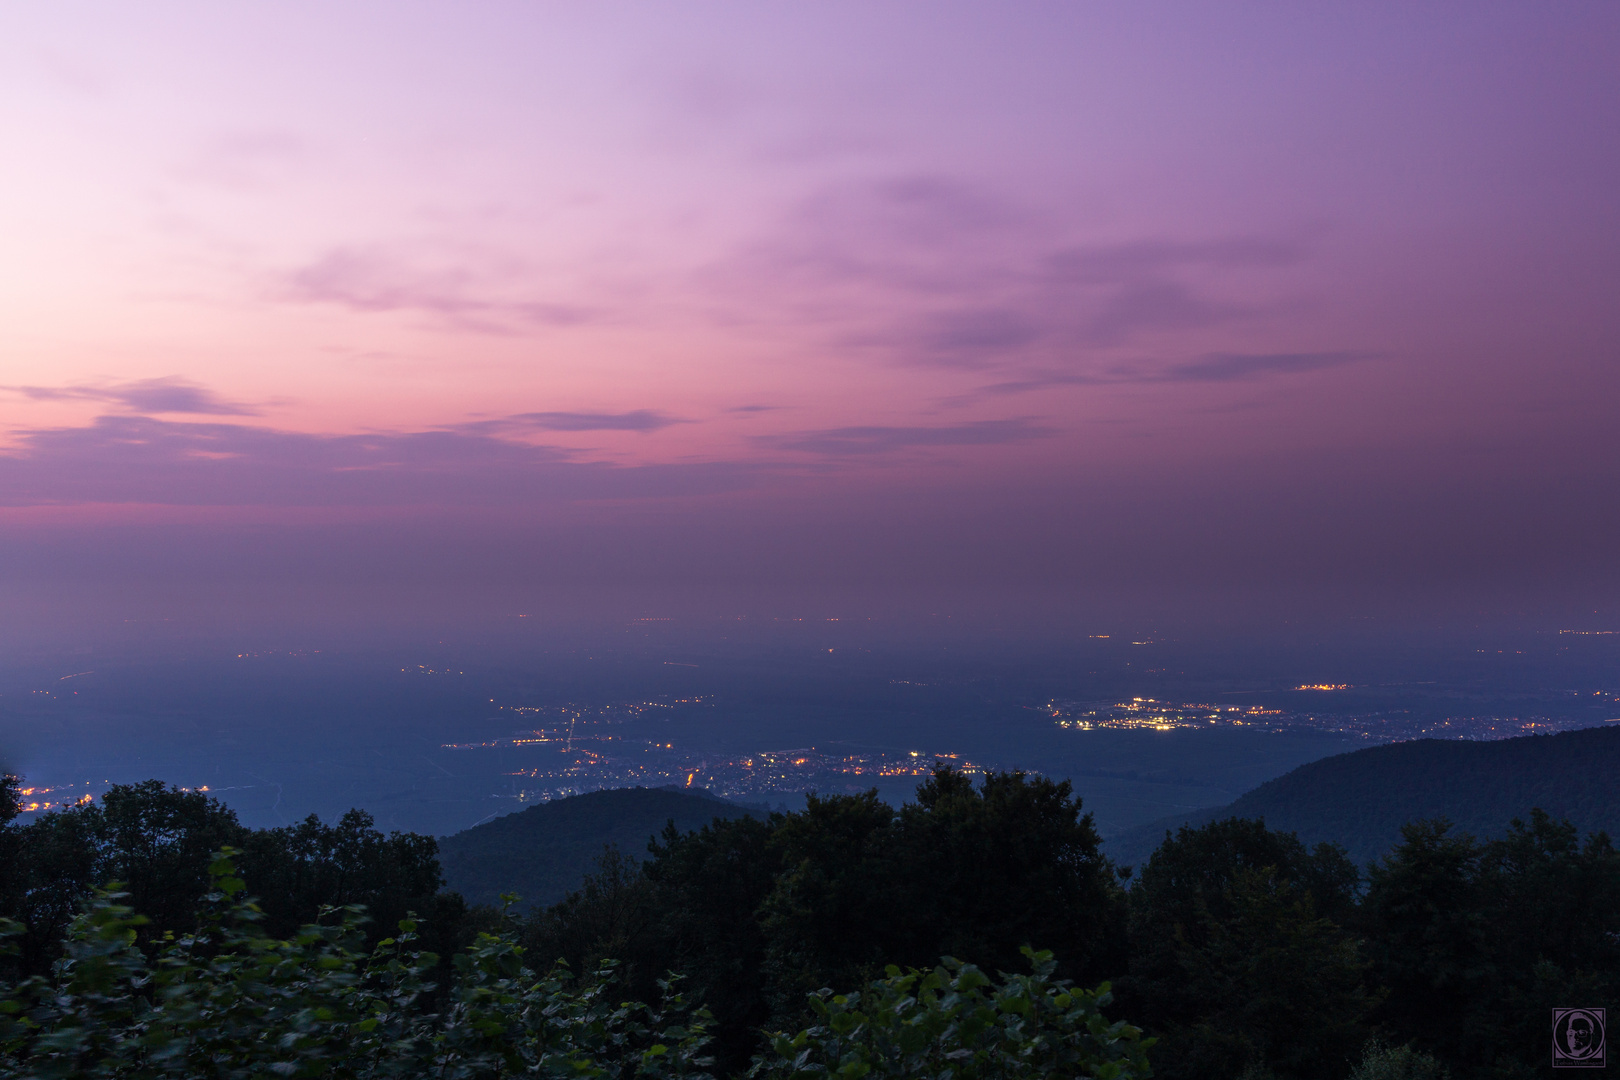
x=154 y=838
x=693 y=908
x=833 y=914
x=12 y=885
x=974 y=872
x=1424 y=919
x=1237 y=959
x=299 y=868
x=1281 y=987
x=709 y=887
x=157 y=842
x=1473 y=943
x=993 y=870
x=759 y=915
x=10 y=797
x=611 y=915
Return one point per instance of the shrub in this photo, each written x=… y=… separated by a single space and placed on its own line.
x=226 y=1001
x=954 y=1023
x=1381 y=1062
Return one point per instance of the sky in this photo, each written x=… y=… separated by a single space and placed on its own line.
x=1238 y=313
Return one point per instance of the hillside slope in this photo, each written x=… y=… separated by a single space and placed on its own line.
x=1362 y=799
x=545 y=851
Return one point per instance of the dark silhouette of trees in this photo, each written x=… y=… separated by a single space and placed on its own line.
x=1474 y=943
x=1241 y=951
x=158 y=841
x=1239 y=956
x=10 y=797
x=760 y=914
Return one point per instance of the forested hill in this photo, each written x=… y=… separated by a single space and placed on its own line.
x=544 y=852
x=1362 y=799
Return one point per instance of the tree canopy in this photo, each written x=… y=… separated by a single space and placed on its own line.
x=819 y=937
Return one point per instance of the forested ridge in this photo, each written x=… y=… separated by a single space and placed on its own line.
x=543 y=852
x=1235 y=949
x=1362 y=799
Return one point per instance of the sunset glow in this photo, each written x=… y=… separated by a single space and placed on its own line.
x=1269 y=307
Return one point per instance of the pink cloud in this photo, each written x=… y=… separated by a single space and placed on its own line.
x=130 y=459
x=374 y=281
x=170 y=394
x=933 y=271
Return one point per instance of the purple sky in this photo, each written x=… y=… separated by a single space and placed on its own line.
x=382 y=311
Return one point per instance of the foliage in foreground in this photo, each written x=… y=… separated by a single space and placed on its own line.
x=953 y=1023
x=1381 y=1062
x=158 y=840
x=227 y=1001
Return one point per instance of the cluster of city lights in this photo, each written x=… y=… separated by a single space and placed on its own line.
x=45 y=799
x=760 y=774
x=1150 y=714
x=1395 y=725
x=587 y=748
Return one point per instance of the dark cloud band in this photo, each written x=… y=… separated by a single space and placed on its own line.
x=170 y=394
